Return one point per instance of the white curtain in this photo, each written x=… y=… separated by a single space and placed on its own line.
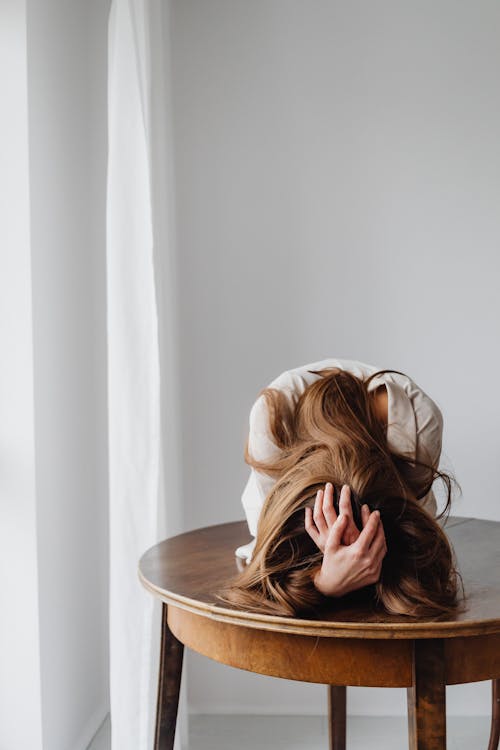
x=142 y=358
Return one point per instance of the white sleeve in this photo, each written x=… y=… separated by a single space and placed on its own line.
x=262 y=447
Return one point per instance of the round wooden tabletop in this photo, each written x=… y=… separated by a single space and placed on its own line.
x=187 y=570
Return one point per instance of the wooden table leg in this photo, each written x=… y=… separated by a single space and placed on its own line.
x=336 y=717
x=495 y=716
x=169 y=684
x=427 y=697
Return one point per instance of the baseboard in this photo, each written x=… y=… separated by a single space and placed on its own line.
x=249 y=710
x=91 y=728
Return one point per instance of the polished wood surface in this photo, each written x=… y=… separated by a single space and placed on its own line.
x=341 y=661
x=472 y=659
x=427 y=697
x=495 y=716
x=347 y=644
x=169 y=685
x=188 y=569
x=337 y=715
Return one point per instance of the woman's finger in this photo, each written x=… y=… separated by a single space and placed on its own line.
x=345 y=506
x=328 y=507
x=366 y=537
x=310 y=527
x=334 y=539
x=365 y=514
x=318 y=516
x=378 y=545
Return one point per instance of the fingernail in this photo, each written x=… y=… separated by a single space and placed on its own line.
x=329 y=484
x=377 y=513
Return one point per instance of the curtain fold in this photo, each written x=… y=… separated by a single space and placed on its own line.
x=141 y=476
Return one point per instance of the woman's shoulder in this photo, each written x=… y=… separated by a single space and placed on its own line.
x=301 y=376
x=292 y=383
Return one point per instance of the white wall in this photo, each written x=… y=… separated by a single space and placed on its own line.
x=54 y=513
x=67 y=129
x=20 y=714
x=337 y=175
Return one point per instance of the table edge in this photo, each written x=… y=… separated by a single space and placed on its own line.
x=325 y=628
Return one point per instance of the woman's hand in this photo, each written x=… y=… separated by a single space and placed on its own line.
x=349 y=567
x=319 y=521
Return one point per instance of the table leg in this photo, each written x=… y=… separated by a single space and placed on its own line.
x=169 y=683
x=427 y=697
x=495 y=716
x=336 y=717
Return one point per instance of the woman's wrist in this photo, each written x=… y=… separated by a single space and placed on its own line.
x=314 y=574
x=317 y=580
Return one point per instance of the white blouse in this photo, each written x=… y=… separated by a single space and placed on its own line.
x=261 y=444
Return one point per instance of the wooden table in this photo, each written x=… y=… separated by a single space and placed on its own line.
x=346 y=646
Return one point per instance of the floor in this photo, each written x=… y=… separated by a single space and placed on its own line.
x=299 y=732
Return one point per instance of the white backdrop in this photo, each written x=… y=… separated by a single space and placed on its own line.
x=337 y=177
x=53 y=486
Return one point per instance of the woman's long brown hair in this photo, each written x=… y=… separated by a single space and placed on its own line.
x=333 y=435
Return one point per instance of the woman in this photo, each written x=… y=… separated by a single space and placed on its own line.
x=374 y=433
